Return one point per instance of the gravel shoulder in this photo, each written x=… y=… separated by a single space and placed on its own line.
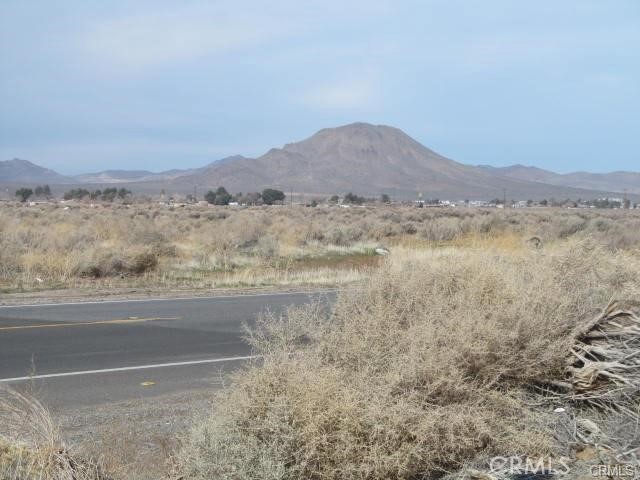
x=117 y=294
x=136 y=438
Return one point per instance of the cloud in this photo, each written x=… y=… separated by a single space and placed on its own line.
x=344 y=94
x=143 y=41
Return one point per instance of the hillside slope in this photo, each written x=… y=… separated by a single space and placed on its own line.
x=613 y=181
x=370 y=160
x=24 y=171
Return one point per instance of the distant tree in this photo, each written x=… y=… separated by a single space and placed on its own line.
x=210 y=196
x=23 y=194
x=96 y=194
x=222 y=196
x=123 y=193
x=271 y=196
x=627 y=203
x=314 y=203
x=544 y=202
x=109 y=194
x=77 y=194
x=353 y=198
x=252 y=198
x=334 y=199
x=42 y=191
x=529 y=202
x=384 y=198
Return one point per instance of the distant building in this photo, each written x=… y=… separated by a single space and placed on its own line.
x=481 y=203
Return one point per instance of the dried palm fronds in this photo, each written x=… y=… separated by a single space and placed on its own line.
x=604 y=366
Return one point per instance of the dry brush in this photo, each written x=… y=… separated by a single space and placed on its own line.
x=436 y=364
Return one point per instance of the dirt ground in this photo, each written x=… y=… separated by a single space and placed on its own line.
x=94 y=295
x=136 y=439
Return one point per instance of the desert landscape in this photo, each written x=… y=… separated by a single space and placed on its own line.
x=426 y=307
x=104 y=246
x=319 y=240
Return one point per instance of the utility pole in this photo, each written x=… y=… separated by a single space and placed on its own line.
x=195 y=194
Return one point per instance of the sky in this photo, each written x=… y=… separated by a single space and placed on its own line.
x=89 y=85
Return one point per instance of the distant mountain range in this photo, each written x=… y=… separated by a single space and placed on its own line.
x=362 y=158
x=128 y=176
x=23 y=171
x=614 y=181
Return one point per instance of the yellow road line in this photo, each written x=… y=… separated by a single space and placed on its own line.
x=118 y=321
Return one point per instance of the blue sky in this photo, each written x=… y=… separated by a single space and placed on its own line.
x=89 y=85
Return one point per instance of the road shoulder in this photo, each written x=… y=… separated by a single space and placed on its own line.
x=107 y=295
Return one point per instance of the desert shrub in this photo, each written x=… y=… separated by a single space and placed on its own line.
x=313 y=234
x=142 y=262
x=409 y=228
x=570 y=226
x=343 y=236
x=109 y=263
x=103 y=264
x=31 y=447
x=62 y=246
x=441 y=229
x=602 y=224
x=384 y=231
x=491 y=223
x=420 y=372
x=217 y=215
x=266 y=247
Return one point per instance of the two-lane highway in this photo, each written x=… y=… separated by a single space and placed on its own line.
x=89 y=353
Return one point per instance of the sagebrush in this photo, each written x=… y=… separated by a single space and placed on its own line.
x=430 y=367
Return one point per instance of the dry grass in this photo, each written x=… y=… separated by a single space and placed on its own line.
x=146 y=245
x=31 y=447
x=452 y=349
x=429 y=368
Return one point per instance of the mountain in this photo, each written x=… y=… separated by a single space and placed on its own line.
x=129 y=176
x=612 y=182
x=361 y=158
x=137 y=176
x=367 y=159
x=114 y=176
x=523 y=172
x=23 y=171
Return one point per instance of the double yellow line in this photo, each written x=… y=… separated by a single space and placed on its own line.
x=118 y=321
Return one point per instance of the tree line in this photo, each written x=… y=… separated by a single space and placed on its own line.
x=106 y=195
x=41 y=191
x=268 y=196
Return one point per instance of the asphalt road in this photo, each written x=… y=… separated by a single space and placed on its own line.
x=91 y=353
